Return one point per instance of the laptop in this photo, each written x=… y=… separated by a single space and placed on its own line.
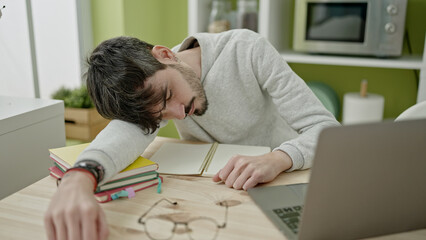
x=367 y=180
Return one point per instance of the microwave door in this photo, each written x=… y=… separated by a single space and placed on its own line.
x=337 y=27
x=338 y=22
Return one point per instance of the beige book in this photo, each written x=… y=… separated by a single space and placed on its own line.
x=200 y=159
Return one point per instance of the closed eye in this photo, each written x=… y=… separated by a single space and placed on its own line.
x=167 y=96
x=170 y=93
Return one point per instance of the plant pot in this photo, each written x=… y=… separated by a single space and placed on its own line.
x=83 y=123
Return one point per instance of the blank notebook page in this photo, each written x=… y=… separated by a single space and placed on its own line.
x=182 y=159
x=225 y=152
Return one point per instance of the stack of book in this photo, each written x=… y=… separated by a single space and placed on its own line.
x=141 y=174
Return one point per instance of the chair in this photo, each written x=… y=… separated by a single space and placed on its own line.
x=416 y=111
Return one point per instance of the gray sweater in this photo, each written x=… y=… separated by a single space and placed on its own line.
x=254 y=99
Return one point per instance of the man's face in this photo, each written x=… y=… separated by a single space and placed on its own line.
x=183 y=93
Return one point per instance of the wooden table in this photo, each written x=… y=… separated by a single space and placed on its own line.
x=21 y=214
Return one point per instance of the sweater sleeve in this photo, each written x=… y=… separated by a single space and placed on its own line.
x=296 y=103
x=116 y=146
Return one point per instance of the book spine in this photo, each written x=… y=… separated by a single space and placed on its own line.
x=104 y=187
x=107 y=196
x=148 y=169
x=59 y=165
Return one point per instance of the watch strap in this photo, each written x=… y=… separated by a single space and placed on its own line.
x=93 y=167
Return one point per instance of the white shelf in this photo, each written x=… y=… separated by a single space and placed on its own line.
x=405 y=62
x=275 y=18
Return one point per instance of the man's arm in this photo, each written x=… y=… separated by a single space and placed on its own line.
x=115 y=147
x=73 y=212
x=296 y=104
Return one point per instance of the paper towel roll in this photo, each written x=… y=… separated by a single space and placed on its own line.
x=357 y=109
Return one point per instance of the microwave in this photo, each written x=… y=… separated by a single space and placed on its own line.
x=350 y=27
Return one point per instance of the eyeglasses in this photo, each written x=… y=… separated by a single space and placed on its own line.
x=163 y=227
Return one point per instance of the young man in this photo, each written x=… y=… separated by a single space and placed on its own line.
x=232 y=87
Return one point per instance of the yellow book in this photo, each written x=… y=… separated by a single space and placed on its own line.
x=65 y=158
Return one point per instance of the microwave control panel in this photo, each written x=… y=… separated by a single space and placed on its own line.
x=392 y=26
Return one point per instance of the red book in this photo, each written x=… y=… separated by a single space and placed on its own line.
x=127 y=191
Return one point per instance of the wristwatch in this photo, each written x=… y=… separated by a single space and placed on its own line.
x=94 y=167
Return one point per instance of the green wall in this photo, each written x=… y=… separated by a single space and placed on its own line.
x=164 y=22
x=107 y=19
x=399 y=87
x=159 y=22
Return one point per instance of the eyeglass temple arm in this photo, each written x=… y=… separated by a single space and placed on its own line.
x=153 y=205
x=224 y=204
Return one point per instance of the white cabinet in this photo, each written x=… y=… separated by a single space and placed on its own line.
x=29 y=127
x=275 y=19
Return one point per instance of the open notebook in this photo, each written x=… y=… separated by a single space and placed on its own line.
x=200 y=159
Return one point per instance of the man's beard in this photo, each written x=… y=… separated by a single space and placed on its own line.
x=195 y=84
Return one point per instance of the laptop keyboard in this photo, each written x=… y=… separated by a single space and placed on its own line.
x=290 y=216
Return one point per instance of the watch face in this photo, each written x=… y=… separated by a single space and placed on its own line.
x=94 y=167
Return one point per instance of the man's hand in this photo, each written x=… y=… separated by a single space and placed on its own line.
x=244 y=172
x=73 y=212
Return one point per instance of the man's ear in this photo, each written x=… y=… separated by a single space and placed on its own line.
x=163 y=54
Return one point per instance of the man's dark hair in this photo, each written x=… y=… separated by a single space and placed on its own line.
x=116 y=81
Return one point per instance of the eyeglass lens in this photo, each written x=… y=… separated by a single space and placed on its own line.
x=197 y=229
x=159 y=229
x=202 y=229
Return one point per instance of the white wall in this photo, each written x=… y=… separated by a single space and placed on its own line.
x=57 y=44
x=16 y=77
x=57 y=40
